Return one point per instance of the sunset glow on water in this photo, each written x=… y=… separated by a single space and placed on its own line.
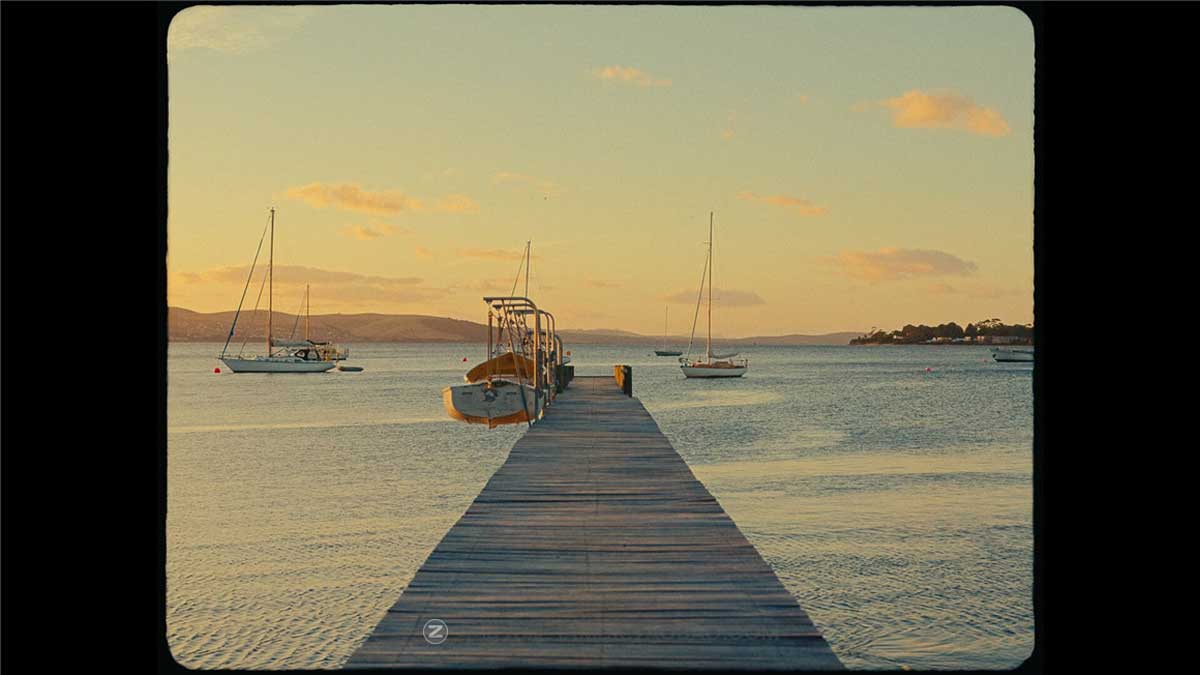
x=894 y=503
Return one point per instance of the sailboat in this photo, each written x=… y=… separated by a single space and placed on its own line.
x=713 y=365
x=664 y=351
x=292 y=357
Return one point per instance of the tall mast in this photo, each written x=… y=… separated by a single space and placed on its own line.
x=665 y=310
x=271 y=282
x=708 y=348
x=307 y=311
x=528 y=263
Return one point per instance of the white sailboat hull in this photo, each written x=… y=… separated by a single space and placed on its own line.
x=275 y=364
x=502 y=403
x=704 y=371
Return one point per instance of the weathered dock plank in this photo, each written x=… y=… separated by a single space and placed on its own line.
x=595 y=546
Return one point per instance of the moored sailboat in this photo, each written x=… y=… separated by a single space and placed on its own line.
x=1012 y=355
x=712 y=365
x=664 y=351
x=290 y=357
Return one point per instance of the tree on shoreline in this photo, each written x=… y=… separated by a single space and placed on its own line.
x=981 y=331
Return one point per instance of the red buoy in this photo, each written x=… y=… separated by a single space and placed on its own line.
x=216 y=370
x=929 y=370
x=464 y=358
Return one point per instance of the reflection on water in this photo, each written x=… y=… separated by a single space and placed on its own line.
x=894 y=503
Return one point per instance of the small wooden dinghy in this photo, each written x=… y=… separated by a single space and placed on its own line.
x=491 y=403
x=349 y=369
x=504 y=365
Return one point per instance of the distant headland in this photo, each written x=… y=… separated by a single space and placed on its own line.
x=184 y=325
x=988 y=331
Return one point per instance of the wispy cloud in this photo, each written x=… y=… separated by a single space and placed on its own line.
x=494 y=254
x=628 y=75
x=942 y=109
x=729 y=132
x=541 y=185
x=234 y=30
x=422 y=252
x=291 y=274
x=351 y=197
x=339 y=287
x=599 y=283
x=892 y=264
x=455 y=204
x=724 y=297
x=801 y=206
x=491 y=285
x=368 y=232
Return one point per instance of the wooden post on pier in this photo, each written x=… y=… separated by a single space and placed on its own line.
x=624 y=377
x=594 y=546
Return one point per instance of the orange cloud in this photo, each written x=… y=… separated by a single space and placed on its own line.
x=892 y=264
x=456 y=204
x=350 y=197
x=802 y=206
x=597 y=283
x=422 y=252
x=366 y=233
x=629 y=76
x=945 y=110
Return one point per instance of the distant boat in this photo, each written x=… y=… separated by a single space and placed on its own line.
x=1012 y=354
x=292 y=357
x=713 y=365
x=664 y=351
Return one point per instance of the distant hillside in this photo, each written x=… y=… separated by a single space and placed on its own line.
x=184 y=325
x=826 y=339
x=187 y=326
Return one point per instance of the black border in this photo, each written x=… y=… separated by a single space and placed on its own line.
x=84 y=171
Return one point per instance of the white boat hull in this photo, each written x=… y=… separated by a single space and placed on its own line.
x=700 y=371
x=1013 y=355
x=275 y=364
x=500 y=403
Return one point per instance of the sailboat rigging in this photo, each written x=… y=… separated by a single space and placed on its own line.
x=664 y=351
x=292 y=356
x=712 y=365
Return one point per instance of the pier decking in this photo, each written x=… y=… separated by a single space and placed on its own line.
x=595 y=546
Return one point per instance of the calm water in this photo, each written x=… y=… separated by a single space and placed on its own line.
x=894 y=503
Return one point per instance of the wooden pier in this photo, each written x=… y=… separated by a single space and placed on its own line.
x=595 y=546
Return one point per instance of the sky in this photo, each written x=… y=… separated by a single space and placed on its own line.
x=864 y=166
